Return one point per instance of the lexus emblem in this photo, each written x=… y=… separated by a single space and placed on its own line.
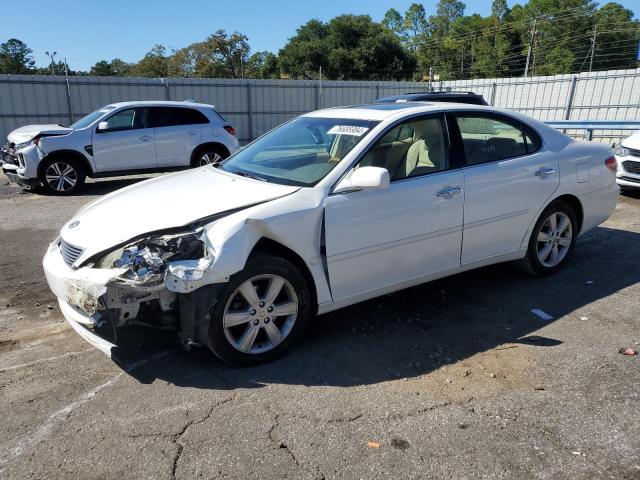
x=74 y=224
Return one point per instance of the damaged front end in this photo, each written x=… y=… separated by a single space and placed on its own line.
x=156 y=283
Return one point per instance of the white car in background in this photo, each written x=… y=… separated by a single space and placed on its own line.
x=329 y=209
x=628 y=157
x=118 y=139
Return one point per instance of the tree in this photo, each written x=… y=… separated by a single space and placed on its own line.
x=415 y=23
x=16 y=57
x=348 y=47
x=394 y=22
x=154 y=64
x=499 y=9
x=114 y=68
x=101 y=69
x=221 y=55
x=264 y=65
x=617 y=36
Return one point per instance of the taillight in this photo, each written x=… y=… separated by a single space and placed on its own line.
x=230 y=129
x=611 y=163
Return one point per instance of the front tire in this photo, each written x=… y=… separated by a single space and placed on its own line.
x=62 y=176
x=552 y=240
x=260 y=312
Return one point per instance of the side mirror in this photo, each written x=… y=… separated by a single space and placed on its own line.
x=364 y=178
x=102 y=126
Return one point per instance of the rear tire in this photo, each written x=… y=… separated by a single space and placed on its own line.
x=62 y=176
x=250 y=331
x=209 y=155
x=552 y=240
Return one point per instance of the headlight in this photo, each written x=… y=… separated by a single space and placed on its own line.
x=621 y=151
x=145 y=260
x=18 y=146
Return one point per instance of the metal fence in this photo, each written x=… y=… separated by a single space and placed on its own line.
x=256 y=106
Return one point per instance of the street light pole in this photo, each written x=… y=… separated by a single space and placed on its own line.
x=51 y=56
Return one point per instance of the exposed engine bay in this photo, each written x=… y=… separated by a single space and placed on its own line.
x=139 y=295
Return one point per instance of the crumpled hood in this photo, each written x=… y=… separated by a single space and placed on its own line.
x=29 y=132
x=163 y=202
x=632 y=142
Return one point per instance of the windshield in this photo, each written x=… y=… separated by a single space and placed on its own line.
x=301 y=152
x=92 y=117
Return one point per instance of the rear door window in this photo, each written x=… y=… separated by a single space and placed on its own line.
x=490 y=138
x=172 y=116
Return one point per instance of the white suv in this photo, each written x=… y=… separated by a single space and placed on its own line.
x=118 y=139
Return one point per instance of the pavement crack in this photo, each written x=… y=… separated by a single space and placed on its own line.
x=177 y=438
x=281 y=444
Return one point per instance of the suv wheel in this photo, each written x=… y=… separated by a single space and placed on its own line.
x=551 y=241
x=209 y=156
x=60 y=176
x=260 y=312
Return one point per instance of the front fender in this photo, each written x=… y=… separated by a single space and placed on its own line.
x=294 y=221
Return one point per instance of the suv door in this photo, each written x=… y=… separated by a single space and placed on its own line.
x=128 y=143
x=383 y=240
x=178 y=131
x=508 y=177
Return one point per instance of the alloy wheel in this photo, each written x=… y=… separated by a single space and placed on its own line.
x=210 y=158
x=61 y=176
x=260 y=314
x=554 y=239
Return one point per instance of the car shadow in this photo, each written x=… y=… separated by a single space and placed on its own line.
x=418 y=330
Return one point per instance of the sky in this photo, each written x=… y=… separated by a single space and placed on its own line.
x=88 y=31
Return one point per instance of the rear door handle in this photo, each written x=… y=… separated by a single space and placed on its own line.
x=449 y=192
x=145 y=138
x=545 y=172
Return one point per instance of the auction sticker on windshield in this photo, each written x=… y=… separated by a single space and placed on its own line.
x=347 y=130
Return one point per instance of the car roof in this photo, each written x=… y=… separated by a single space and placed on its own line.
x=433 y=96
x=383 y=111
x=160 y=103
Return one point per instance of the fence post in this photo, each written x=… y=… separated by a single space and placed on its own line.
x=317 y=96
x=167 y=94
x=377 y=91
x=572 y=92
x=494 y=87
x=249 y=111
x=69 y=108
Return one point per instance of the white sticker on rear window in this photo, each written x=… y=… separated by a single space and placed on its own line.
x=348 y=130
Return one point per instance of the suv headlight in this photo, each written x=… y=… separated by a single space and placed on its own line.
x=145 y=260
x=620 y=151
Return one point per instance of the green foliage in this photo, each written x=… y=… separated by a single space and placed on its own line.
x=550 y=36
x=16 y=57
x=349 y=47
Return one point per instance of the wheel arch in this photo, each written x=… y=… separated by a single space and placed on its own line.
x=67 y=153
x=267 y=245
x=202 y=146
x=575 y=204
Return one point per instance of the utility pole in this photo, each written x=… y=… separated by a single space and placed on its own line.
x=462 y=61
x=593 y=46
x=529 y=50
x=51 y=56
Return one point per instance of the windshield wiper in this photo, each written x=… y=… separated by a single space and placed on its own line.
x=248 y=175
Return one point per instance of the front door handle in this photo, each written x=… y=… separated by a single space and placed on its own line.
x=545 y=172
x=145 y=138
x=193 y=132
x=449 y=192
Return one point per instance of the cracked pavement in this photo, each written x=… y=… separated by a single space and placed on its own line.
x=453 y=379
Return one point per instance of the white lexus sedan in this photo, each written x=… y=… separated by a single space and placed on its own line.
x=332 y=208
